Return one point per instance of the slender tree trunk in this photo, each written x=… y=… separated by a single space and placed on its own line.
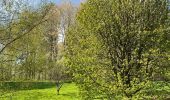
x=58 y=88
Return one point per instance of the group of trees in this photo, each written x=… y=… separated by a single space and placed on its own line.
x=30 y=40
x=110 y=48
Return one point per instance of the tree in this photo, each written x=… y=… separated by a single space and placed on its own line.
x=52 y=32
x=57 y=74
x=115 y=48
x=67 y=14
x=11 y=18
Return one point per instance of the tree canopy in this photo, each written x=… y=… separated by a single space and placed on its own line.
x=118 y=46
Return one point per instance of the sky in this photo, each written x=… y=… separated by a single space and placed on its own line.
x=35 y=2
x=73 y=1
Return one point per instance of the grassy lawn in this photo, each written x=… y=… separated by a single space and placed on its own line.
x=69 y=91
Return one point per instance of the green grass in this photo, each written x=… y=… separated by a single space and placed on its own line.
x=69 y=91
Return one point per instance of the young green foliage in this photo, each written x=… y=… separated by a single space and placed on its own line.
x=115 y=47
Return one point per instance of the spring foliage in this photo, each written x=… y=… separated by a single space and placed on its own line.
x=118 y=46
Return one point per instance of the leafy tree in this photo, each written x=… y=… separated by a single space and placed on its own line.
x=116 y=46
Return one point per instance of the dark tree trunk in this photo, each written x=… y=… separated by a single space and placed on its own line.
x=58 y=88
x=58 y=91
x=59 y=84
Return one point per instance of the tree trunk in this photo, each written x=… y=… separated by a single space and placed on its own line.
x=58 y=88
x=58 y=91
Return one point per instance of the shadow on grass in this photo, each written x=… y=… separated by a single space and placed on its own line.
x=25 y=85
